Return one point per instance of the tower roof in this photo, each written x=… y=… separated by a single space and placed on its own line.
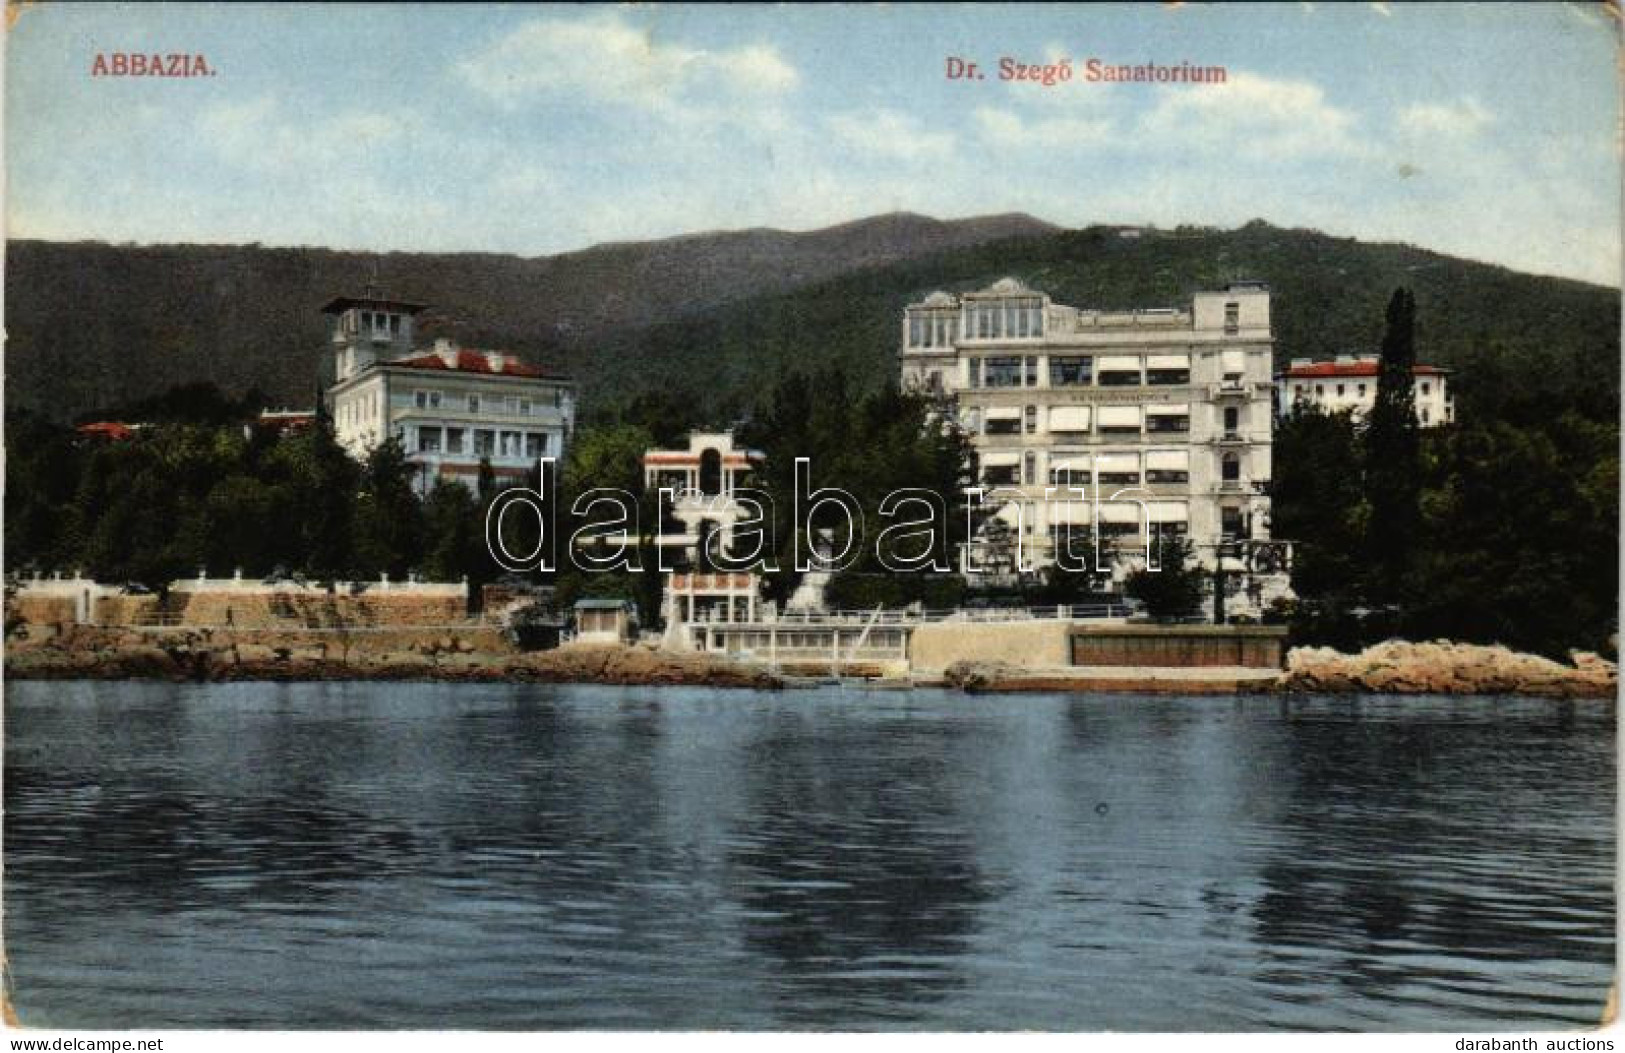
x=340 y=304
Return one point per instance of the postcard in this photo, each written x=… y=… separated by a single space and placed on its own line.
x=676 y=518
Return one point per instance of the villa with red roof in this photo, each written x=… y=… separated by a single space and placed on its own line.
x=452 y=408
x=1349 y=382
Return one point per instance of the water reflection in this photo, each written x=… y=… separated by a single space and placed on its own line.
x=333 y=855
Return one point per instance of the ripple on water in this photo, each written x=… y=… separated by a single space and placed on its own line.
x=407 y=856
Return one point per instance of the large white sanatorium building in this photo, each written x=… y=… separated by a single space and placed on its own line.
x=1169 y=407
x=450 y=407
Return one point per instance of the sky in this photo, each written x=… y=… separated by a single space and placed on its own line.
x=1489 y=132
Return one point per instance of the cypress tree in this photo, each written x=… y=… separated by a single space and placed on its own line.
x=1392 y=461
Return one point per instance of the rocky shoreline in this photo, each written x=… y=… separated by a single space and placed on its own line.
x=1394 y=667
x=189 y=656
x=1441 y=667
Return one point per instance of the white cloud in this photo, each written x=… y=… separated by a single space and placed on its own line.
x=1006 y=129
x=257 y=134
x=891 y=135
x=1456 y=120
x=604 y=57
x=1255 y=117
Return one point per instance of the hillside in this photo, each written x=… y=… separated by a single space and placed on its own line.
x=90 y=324
x=711 y=318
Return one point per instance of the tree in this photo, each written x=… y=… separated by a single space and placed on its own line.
x=1317 y=502
x=388 y=514
x=1174 y=589
x=1392 y=462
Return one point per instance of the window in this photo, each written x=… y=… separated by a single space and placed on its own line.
x=1360 y=391
x=1230 y=468
x=484 y=442
x=1067 y=475
x=1424 y=415
x=1032 y=371
x=454 y=440
x=1424 y=387
x=1232 y=420
x=1002 y=372
x=1001 y=424
x=1320 y=390
x=1230 y=522
x=1168 y=418
x=429 y=440
x=1232 y=318
x=510 y=404
x=933 y=380
x=1070 y=371
x=1339 y=391
x=524 y=407
x=1032 y=420
x=1168 y=376
x=1000 y=474
x=510 y=444
x=1120 y=371
x=535 y=445
x=1118 y=469
x=426 y=399
x=1029 y=468
x=473 y=403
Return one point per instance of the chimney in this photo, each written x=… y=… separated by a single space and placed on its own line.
x=496 y=361
x=447 y=351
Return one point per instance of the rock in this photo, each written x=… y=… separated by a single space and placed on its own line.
x=1445 y=667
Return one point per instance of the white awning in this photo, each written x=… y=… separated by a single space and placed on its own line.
x=1117 y=462
x=1233 y=362
x=1000 y=460
x=1167 y=511
x=1168 y=460
x=1119 y=416
x=1118 y=363
x=1078 y=463
x=1004 y=413
x=1120 y=511
x=1069 y=418
x=1169 y=409
x=1168 y=362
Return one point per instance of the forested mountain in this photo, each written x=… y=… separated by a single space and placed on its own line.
x=92 y=324
x=713 y=318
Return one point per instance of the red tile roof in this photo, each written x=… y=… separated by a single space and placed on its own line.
x=1353 y=369
x=473 y=362
x=106 y=429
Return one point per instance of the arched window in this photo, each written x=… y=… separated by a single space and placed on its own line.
x=1230 y=468
x=710 y=472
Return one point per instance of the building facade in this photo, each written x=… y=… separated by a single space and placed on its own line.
x=1170 y=408
x=451 y=408
x=703 y=479
x=1348 y=383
